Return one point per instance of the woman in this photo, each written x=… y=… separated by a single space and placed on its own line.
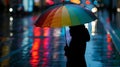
x=75 y=53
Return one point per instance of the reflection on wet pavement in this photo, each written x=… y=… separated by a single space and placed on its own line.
x=30 y=46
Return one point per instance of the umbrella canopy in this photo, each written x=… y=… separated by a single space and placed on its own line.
x=64 y=15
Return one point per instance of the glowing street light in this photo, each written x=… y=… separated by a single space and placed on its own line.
x=11 y=10
x=94 y=9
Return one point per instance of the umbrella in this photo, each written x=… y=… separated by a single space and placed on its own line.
x=64 y=15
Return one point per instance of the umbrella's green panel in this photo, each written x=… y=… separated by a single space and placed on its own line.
x=66 y=20
x=78 y=15
x=56 y=22
x=73 y=15
x=87 y=16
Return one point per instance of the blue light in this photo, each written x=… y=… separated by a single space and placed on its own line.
x=96 y=2
x=67 y=0
x=28 y=5
x=30 y=9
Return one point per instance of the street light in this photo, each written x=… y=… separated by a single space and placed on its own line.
x=94 y=9
x=118 y=9
x=11 y=10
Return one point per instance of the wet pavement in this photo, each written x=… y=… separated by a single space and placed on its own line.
x=30 y=46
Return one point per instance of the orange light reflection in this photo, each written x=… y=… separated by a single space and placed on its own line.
x=109 y=46
x=34 y=61
x=46 y=31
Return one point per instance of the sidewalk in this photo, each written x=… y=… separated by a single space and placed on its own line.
x=115 y=34
x=113 y=31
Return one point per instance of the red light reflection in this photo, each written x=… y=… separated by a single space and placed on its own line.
x=40 y=48
x=108 y=20
x=109 y=46
x=34 y=61
x=46 y=52
x=46 y=31
x=46 y=43
x=37 y=31
x=109 y=40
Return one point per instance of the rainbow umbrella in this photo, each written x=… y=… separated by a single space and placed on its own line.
x=64 y=15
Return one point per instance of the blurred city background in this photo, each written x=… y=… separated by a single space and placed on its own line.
x=24 y=45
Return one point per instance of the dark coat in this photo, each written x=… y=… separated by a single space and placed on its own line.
x=76 y=50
